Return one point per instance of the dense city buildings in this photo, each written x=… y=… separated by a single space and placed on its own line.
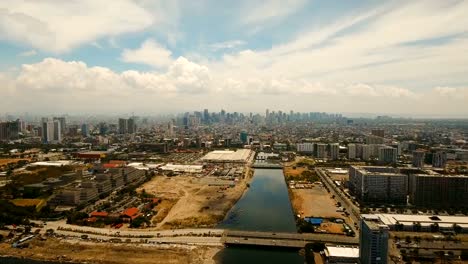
x=101 y=165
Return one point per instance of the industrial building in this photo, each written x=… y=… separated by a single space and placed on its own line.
x=228 y=156
x=423 y=223
x=182 y=168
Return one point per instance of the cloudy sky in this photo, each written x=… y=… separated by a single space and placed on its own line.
x=150 y=56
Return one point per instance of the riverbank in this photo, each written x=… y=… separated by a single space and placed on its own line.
x=73 y=251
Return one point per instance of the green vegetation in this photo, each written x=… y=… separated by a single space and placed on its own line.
x=12 y=214
x=139 y=221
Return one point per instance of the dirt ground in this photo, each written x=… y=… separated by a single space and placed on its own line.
x=197 y=204
x=8 y=161
x=315 y=202
x=58 y=250
x=290 y=171
x=332 y=228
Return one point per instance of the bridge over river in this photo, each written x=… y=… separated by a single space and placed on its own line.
x=291 y=240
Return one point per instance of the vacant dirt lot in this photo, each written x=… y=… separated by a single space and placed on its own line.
x=293 y=171
x=198 y=201
x=315 y=202
x=85 y=252
x=8 y=161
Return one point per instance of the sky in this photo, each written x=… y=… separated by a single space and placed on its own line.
x=158 y=56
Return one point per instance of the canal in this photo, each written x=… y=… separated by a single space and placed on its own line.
x=264 y=207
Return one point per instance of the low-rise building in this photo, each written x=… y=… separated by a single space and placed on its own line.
x=337 y=254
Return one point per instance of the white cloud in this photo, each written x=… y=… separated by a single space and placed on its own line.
x=59 y=26
x=264 y=11
x=227 y=45
x=57 y=85
x=28 y=53
x=150 y=53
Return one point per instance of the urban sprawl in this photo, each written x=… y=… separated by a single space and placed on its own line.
x=363 y=190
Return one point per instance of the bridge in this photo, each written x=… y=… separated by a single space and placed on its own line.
x=291 y=240
x=266 y=165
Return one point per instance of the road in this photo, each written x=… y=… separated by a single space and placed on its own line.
x=110 y=232
x=341 y=197
x=295 y=240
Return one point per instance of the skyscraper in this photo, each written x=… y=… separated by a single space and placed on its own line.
x=47 y=130
x=373 y=240
x=57 y=134
x=63 y=124
x=84 y=130
x=123 y=127
x=131 y=126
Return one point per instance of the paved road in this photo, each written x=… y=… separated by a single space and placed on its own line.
x=62 y=225
x=283 y=239
x=340 y=196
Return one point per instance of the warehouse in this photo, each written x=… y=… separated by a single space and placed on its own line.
x=229 y=156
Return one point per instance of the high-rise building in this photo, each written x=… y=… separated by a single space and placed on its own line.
x=206 y=116
x=418 y=158
x=123 y=126
x=439 y=159
x=371 y=139
x=320 y=150
x=436 y=190
x=306 y=147
x=378 y=132
x=373 y=240
x=131 y=126
x=351 y=151
x=84 y=130
x=63 y=124
x=244 y=136
x=378 y=184
x=10 y=130
x=366 y=152
x=334 y=151
x=57 y=136
x=47 y=130
x=388 y=155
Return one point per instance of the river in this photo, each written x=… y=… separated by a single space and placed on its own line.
x=264 y=207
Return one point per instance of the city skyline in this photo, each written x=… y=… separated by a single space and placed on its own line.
x=397 y=58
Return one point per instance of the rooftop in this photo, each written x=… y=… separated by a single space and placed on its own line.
x=342 y=251
x=228 y=155
x=392 y=219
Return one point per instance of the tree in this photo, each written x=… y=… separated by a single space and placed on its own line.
x=137 y=222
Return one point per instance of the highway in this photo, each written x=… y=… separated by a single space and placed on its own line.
x=341 y=197
x=294 y=240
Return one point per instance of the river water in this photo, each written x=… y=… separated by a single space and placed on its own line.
x=264 y=207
